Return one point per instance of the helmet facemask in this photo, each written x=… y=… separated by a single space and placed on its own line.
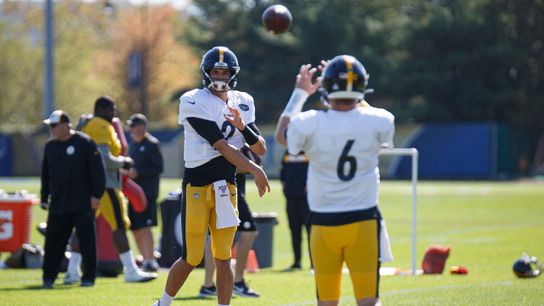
x=220 y=84
x=219 y=58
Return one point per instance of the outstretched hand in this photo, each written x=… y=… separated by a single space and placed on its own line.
x=261 y=181
x=321 y=67
x=305 y=79
x=236 y=119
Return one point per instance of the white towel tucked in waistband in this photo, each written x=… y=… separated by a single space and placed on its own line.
x=385 y=246
x=226 y=216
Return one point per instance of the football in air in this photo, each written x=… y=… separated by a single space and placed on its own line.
x=277 y=19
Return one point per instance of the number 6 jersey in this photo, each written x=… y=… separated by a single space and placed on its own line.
x=343 y=148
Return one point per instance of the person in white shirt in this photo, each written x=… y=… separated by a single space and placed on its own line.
x=342 y=144
x=217 y=121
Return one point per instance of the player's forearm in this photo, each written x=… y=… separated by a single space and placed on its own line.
x=303 y=89
x=253 y=138
x=281 y=127
x=259 y=147
x=296 y=101
x=235 y=157
x=111 y=162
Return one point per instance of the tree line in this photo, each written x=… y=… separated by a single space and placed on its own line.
x=429 y=61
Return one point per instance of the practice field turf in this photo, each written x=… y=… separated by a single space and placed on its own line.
x=487 y=224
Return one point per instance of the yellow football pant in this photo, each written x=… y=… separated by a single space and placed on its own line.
x=356 y=244
x=114 y=209
x=198 y=215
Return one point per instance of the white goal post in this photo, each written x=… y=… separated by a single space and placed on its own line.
x=414 y=154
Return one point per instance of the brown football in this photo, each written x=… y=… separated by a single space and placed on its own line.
x=277 y=19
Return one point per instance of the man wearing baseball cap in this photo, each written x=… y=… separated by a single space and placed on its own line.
x=72 y=182
x=58 y=116
x=148 y=165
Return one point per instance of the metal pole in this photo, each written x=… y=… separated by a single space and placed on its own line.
x=144 y=107
x=413 y=152
x=49 y=81
x=414 y=208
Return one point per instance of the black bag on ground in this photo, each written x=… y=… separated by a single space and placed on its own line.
x=29 y=256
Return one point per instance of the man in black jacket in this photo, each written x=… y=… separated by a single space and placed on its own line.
x=148 y=165
x=293 y=180
x=73 y=176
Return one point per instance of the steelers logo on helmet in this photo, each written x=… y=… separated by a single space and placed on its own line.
x=219 y=58
x=344 y=78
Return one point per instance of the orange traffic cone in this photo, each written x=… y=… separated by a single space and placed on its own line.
x=252 y=265
x=233 y=252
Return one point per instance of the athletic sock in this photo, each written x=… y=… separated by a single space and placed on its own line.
x=74 y=263
x=166 y=300
x=128 y=261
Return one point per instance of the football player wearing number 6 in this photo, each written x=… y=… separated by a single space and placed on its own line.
x=217 y=121
x=342 y=144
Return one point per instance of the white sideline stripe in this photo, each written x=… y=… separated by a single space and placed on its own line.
x=404 y=291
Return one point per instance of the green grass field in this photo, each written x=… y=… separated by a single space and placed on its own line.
x=487 y=224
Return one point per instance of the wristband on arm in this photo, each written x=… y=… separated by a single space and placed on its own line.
x=296 y=102
x=250 y=136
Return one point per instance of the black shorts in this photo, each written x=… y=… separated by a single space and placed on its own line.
x=247 y=223
x=146 y=218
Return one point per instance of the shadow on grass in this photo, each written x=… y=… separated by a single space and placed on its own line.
x=197 y=298
x=287 y=270
x=290 y=270
x=194 y=298
x=37 y=287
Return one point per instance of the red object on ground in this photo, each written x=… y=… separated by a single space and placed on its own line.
x=108 y=260
x=105 y=247
x=252 y=265
x=233 y=252
x=15 y=221
x=459 y=270
x=435 y=259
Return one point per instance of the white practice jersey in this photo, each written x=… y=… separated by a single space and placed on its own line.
x=201 y=103
x=343 y=150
